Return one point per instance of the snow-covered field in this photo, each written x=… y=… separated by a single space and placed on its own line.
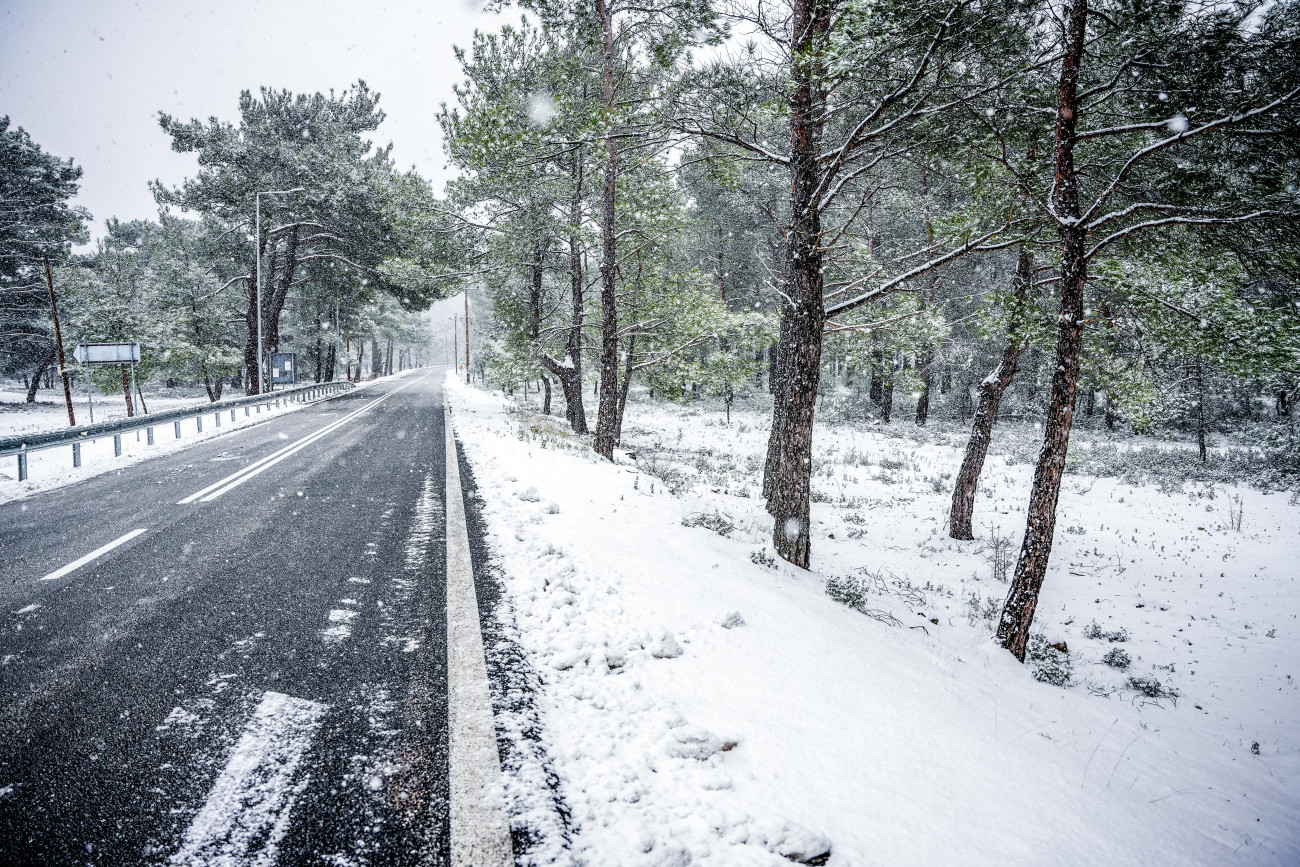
x=52 y=468
x=703 y=703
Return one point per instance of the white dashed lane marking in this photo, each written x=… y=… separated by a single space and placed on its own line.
x=93 y=555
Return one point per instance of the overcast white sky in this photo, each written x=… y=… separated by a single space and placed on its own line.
x=87 y=78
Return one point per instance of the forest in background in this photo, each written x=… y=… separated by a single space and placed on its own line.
x=976 y=210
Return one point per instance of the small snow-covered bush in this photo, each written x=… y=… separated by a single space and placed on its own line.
x=1094 y=631
x=853 y=592
x=762 y=558
x=1049 y=663
x=718 y=523
x=986 y=610
x=1152 y=688
x=1118 y=658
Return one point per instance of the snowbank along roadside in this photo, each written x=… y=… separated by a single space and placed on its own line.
x=703 y=703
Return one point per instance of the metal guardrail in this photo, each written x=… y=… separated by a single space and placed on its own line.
x=21 y=444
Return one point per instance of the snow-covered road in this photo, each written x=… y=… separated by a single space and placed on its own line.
x=237 y=653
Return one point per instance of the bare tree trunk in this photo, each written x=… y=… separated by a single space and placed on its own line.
x=1035 y=551
x=572 y=382
x=876 y=393
x=331 y=361
x=207 y=386
x=960 y=518
x=1200 y=412
x=623 y=388
x=927 y=377
x=36 y=377
x=252 y=371
x=126 y=392
x=376 y=359
x=787 y=480
x=607 y=407
x=546 y=395
x=887 y=393
x=320 y=355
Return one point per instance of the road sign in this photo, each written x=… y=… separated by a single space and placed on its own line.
x=284 y=368
x=107 y=353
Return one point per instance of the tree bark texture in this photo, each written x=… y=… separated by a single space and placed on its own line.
x=960 y=518
x=607 y=406
x=282 y=262
x=36 y=377
x=126 y=392
x=1031 y=568
x=927 y=378
x=788 y=476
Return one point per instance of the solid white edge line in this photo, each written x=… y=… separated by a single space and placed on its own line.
x=480 y=834
x=93 y=555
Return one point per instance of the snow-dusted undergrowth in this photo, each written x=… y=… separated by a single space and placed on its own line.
x=702 y=702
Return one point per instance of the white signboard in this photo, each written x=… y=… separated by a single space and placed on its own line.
x=107 y=353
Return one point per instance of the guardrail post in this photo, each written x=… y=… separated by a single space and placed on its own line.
x=259 y=409
x=148 y=435
x=117 y=445
x=22 y=466
x=76 y=455
x=232 y=415
x=177 y=427
x=199 y=420
x=216 y=417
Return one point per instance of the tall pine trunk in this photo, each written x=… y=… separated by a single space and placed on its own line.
x=960 y=518
x=787 y=480
x=927 y=379
x=252 y=371
x=1031 y=568
x=607 y=405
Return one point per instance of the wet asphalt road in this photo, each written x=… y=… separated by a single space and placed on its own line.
x=127 y=685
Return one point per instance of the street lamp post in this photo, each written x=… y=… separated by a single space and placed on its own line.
x=257 y=248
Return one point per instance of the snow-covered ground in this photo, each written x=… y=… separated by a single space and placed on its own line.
x=701 y=702
x=52 y=468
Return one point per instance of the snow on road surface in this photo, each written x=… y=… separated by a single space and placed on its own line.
x=248 y=810
x=702 y=702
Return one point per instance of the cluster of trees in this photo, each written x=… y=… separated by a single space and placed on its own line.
x=1091 y=198
x=990 y=205
x=350 y=258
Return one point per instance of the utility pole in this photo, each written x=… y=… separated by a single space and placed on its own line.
x=467 y=337
x=455 y=338
x=58 y=342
